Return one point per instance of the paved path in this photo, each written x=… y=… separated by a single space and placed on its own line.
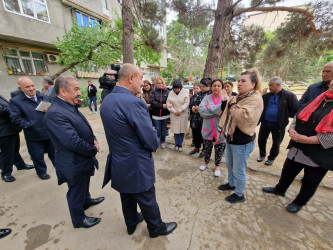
x=37 y=211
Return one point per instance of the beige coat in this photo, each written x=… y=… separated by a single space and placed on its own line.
x=179 y=102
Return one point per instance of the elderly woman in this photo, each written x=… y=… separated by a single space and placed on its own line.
x=228 y=86
x=195 y=122
x=238 y=124
x=310 y=148
x=205 y=87
x=160 y=112
x=177 y=103
x=210 y=109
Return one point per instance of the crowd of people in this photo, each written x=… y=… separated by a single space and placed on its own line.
x=135 y=128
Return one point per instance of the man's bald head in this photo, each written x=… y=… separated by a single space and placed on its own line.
x=130 y=76
x=27 y=86
x=327 y=73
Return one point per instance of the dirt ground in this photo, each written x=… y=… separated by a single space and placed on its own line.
x=37 y=210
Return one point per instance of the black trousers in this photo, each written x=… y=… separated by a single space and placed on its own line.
x=9 y=154
x=37 y=149
x=310 y=182
x=197 y=137
x=77 y=196
x=277 y=136
x=148 y=205
x=219 y=150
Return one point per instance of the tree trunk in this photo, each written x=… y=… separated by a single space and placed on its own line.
x=223 y=17
x=191 y=53
x=128 y=31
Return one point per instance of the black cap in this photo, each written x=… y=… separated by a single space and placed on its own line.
x=206 y=81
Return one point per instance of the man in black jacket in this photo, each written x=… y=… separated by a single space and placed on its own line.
x=92 y=90
x=9 y=145
x=23 y=114
x=279 y=105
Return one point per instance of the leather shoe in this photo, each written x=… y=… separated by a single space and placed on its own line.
x=194 y=151
x=269 y=162
x=8 y=178
x=25 y=167
x=44 y=176
x=4 y=232
x=271 y=190
x=166 y=229
x=88 y=222
x=260 y=158
x=131 y=230
x=293 y=208
x=93 y=202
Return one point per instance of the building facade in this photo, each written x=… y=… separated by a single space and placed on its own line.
x=28 y=28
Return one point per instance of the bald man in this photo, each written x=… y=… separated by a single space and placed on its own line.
x=23 y=113
x=318 y=88
x=130 y=164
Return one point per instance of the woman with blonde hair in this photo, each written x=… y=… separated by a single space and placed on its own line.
x=238 y=124
x=160 y=112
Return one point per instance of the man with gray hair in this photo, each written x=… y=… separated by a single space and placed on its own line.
x=76 y=148
x=279 y=105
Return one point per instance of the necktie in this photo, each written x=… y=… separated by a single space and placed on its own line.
x=33 y=98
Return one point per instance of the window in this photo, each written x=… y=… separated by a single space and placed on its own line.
x=84 y=20
x=36 y=9
x=24 y=62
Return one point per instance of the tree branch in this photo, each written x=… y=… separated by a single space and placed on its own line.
x=304 y=12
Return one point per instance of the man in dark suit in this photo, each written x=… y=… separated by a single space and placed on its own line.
x=9 y=144
x=23 y=114
x=76 y=147
x=130 y=164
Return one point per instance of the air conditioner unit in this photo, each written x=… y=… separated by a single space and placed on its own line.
x=52 y=58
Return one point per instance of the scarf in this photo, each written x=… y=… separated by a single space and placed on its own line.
x=326 y=124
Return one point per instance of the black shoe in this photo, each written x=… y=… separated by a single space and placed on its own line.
x=131 y=230
x=225 y=187
x=269 y=162
x=25 y=167
x=165 y=230
x=4 y=232
x=8 y=178
x=88 y=222
x=93 y=202
x=194 y=151
x=234 y=198
x=260 y=158
x=202 y=154
x=271 y=190
x=44 y=176
x=192 y=145
x=293 y=208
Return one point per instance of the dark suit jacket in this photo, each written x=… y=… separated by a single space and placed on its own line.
x=73 y=140
x=131 y=139
x=312 y=93
x=23 y=114
x=6 y=126
x=15 y=92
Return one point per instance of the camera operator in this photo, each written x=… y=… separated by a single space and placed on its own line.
x=107 y=82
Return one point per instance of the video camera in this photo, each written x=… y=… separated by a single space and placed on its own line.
x=106 y=82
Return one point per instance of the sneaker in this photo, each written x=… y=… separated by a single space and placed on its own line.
x=90 y=112
x=163 y=145
x=176 y=148
x=95 y=112
x=202 y=154
x=269 y=162
x=202 y=167
x=217 y=173
x=260 y=158
x=194 y=151
x=180 y=149
x=226 y=187
x=234 y=198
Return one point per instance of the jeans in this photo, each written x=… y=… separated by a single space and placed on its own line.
x=179 y=138
x=277 y=137
x=161 y=127
x=94 y=100
x=236 y=160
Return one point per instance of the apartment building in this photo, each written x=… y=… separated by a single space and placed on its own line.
x=28 y=28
